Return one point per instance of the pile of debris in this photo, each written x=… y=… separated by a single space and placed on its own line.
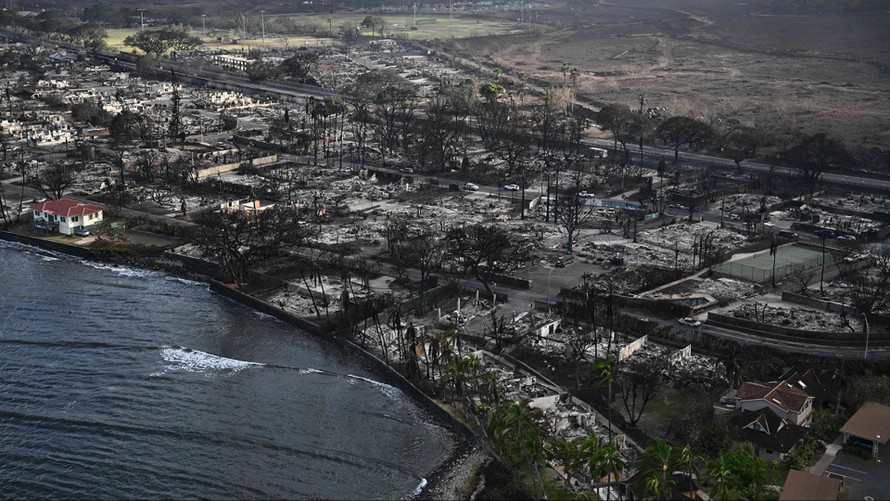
x=795 y=317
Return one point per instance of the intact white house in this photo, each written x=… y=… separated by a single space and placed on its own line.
x=66 y=215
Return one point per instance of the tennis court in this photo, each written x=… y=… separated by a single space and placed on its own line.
x=759 y=267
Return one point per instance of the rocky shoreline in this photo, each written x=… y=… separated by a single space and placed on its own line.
x=459 y=477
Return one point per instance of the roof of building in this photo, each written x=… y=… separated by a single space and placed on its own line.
x=819 y=381
x=774 y=433
x=67 y=207
x=805 y=485
x=782 y=393
x=871 y=421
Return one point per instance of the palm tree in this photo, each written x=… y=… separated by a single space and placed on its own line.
x=720 y=474
x=515 y=435
x=656 y=465
x=604 y=372
x=602 y=460
x=689 y=462
x=568 y=453
x=460 y=370
x=610 y=464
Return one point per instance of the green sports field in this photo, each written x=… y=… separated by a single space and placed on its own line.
x=759 y=267
x=428 y=27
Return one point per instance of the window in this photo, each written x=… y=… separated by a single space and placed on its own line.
x=74 y=219
x=63 y=219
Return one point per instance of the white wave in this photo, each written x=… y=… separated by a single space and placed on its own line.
x=419 y=489
x=186 y=281
x=263 y=315
x=185 y=359
x=45 y=254
x=120 y=270
x=311 y=371
x=388 y=390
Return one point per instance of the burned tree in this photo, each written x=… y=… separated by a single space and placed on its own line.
x=239 y=241
x=53 y=180
x=638 y=385
x=485 y=249
x=573 y=214
x=424 y=251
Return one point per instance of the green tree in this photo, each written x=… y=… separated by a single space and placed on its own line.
x=603 y=373
x=567 y=453
x=602 y=461
x=679 y=131
x=299 y=66
x=815 y=155
x=740 y=473
x=514 y=433
x=658 y=464
x=722 y=479
x=157 y=42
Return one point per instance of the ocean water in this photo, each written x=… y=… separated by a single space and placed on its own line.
x=121 y=383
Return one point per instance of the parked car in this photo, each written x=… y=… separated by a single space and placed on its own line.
x=823 y=233
x=731 y=217
x=689 y=322
x=848 y=238
x=584 y=194
x=82 y=232
x=788 y=234
x=406 y=170
x=512 y=187
x=470 y=187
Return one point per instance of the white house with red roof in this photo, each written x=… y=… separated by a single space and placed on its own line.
x=66 y=215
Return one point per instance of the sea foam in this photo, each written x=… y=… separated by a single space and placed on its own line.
x=186 y=359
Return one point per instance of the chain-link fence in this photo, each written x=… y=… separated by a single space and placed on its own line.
x=760 y=268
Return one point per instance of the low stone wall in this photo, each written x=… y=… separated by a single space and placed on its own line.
x=654 y=305
x=193 y=264
x=819 y=303
x=390 y=375
x=797 y=335
x=49 y=245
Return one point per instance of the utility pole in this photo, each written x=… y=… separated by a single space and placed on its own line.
x=867 y=335
x=415 y=14
x=141 y=19
x=203 y=24
x=822 y=275
x=643 y=100
x=263 y=24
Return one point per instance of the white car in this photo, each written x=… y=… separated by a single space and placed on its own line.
x=584 y=194
x=849 y=238
x=470 y=187
x=512 y=187
x=689 y=322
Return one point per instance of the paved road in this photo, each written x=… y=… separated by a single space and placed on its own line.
x=654 y=152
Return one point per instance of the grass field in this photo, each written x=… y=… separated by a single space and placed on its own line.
x=428 y=27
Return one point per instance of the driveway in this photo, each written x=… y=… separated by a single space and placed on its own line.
x=863 y=479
